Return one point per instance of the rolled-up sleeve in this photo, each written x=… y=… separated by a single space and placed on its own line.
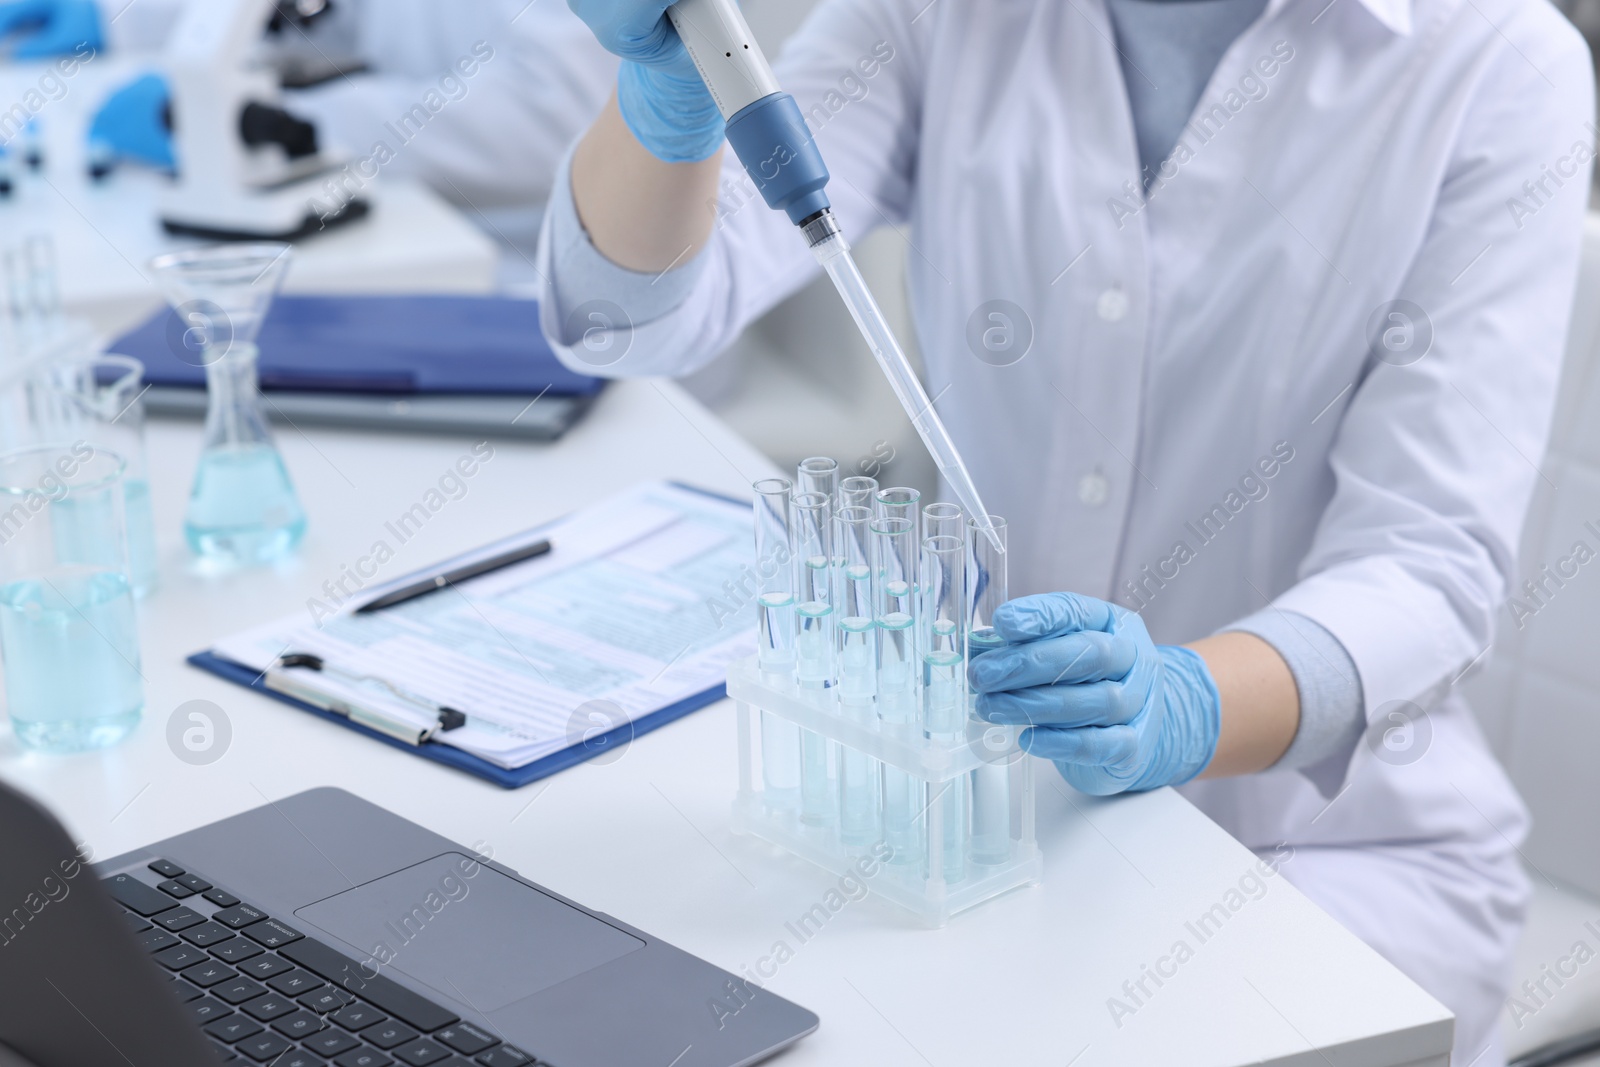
x=867 y=134
x=1436 y=457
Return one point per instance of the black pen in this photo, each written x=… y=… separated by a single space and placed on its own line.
x=459 y=574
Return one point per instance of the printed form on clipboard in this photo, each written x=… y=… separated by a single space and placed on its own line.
x=637 y=605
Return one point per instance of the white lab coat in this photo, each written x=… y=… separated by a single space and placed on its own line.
x=1361 y=151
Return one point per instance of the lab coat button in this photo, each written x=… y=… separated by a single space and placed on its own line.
x=1093 y=489
x=1112 y=305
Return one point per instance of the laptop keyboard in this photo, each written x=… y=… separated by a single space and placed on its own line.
x=267 y=994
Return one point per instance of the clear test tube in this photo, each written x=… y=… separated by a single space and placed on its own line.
x=860 y=776
x=943 y=616
x=775 y=625
x=943 y=520
x=814 y=580
x=853 y=607
x=857 y=491
x=991 y=793
x=818 y=474
x=813 y=538
x=894 y=604
x=944 y=694
x=900 y=502
x=775 y=592
x=986 y=587
x=43 y=280
x=894 y=568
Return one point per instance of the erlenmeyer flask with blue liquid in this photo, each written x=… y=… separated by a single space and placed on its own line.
x=243 y=508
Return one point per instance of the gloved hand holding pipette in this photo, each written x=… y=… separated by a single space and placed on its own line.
x=662 y=97
x=770 y=136
x=1115 y=711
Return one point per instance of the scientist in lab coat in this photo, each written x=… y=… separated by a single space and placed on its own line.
x=1247 y=315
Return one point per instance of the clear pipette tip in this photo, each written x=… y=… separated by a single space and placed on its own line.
x=833 y=252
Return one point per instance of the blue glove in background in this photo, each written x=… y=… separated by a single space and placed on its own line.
x=132 y=124
x=660 y=93
x=53 y=27
x=1115 y=711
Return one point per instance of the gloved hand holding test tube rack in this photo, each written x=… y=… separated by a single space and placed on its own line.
x=857 y=738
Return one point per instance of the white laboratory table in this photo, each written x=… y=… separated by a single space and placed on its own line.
x=1022 y=980
x=106 y=233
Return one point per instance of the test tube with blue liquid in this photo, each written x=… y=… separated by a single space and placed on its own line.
x=987 y=589
x=894 y=543
x=944 y=691
x=860 y=776
x=818 y=480
x=814 y=574
x=775 y=632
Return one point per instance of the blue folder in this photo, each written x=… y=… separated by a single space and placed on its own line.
x=391 y=345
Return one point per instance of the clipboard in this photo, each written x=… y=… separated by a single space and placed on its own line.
x=451 y=756
x=466 y=761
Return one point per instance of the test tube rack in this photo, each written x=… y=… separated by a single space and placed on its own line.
x=914 y=877
x=858 y=745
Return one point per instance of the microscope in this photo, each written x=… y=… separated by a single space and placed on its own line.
x=247 y=168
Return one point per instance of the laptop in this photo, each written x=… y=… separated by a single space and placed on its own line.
x=321 y=929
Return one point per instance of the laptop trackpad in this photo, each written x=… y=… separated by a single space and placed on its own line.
x=469 y=932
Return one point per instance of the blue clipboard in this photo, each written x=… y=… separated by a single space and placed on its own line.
x=512 y=778
x=466 y=761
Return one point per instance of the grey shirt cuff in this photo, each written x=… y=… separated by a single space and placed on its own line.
x=1332 y=711
x=581 y=275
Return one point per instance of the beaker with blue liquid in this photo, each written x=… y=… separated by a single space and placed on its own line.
x=242 y=508
x=68 y=635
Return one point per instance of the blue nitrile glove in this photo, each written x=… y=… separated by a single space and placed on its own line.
x=1114 y=710
x=54 y=27
x=659 y=91
x=132 y=124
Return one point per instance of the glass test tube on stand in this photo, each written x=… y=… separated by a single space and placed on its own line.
x=894 y=556
x=814 y=643
x=944 y=694
x=818 y=481
x=775 y=628
x=860 y=776
x=991 y=785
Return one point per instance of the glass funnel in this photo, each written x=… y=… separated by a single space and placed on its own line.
x=243 y=508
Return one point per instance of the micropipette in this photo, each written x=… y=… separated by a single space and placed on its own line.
x=771 y=139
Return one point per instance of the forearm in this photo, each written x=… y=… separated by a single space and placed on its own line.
x=1260 y=703
x=640 y=213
